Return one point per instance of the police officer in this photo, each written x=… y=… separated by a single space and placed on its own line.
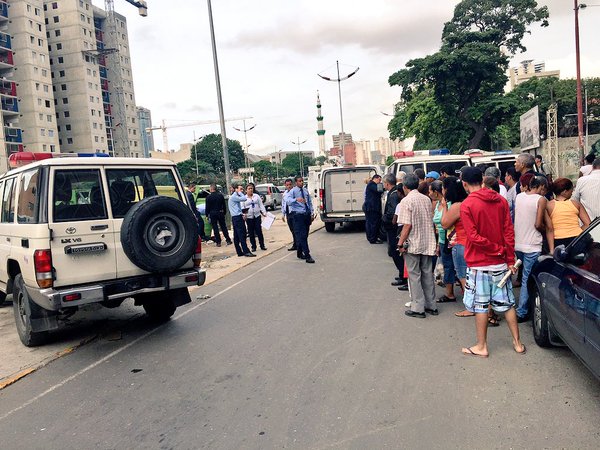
x=236 y=204
x=285 y=212
x=301 y=211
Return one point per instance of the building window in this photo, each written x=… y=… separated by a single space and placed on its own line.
x=42 y=132
x=50 y=133
x=46 y=87
x=44 y=147
x=49 y=117
x=40 y=42
x=61 y=60
x=61 y=73
x=52 y=147
x=37 y=11
x=57 y=33
x=54 y=5
x=59 y=46
x=44 y=73
x=47 y=103
x=31 y=39
x=63 y=87
x=68 y=127
x=40 y=116
x=69 y=140
x=67 y=114
x=37 y=86
x=56 y=19
x=95 y=138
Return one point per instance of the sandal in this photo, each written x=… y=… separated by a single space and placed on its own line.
x=468 y=351
x=493 y=321
x=464 y=313
x=445 y=299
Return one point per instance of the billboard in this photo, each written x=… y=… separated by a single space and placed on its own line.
x=530 y=129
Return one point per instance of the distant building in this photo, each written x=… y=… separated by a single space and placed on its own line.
x=527 y=70
x=183 y=154
x=278 y=157
x=338 y=137
x=144 y=118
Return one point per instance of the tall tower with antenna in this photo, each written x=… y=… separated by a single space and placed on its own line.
x=320 y=130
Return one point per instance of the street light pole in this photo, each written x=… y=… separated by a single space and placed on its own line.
x=300 y=155
x=579 y=99
x=219 y=99
x=196 y=153
x=245 y=130
x=339 y=82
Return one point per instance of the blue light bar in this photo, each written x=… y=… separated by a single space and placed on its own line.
x=89 y=155
x=439 y=151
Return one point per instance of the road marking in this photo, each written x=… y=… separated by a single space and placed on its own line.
x=132 y=343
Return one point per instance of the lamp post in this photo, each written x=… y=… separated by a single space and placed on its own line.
x=578 y=68
x=219 y=99
x=196 y=151
x=245 y=130
x=300 y=155
x=339 y=82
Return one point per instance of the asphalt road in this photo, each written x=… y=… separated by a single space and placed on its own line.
x=290 y=355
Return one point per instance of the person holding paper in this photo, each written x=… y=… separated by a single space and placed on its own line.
x=301 y=211
x=256 y=210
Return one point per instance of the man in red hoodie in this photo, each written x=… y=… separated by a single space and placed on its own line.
x=489 y=253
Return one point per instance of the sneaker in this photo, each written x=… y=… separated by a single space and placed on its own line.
x=416 y=315
x=407 y=304
x=433 y=312
x=263 y=248
x=309 y=260
x=403 y=287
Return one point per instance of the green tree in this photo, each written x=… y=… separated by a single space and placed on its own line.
x=459 y=89
x=210 y=152
x=389 y=160
x=264 y=170
x=320 y=160
x=291 y=164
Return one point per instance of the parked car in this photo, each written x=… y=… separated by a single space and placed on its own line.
x=76 y=231
x=272 y=195
x=565 y=296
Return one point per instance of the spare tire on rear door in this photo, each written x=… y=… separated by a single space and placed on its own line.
x=159 y=234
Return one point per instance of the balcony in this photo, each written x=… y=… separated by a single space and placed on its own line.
x=13 y=135
x=107 y=109
x=5 y=41
x=102 y=61
x=8 y=88
x=99 y=36
x=13 y=148
x=10 y=106
x=104 y=84
x=6 y=60
x=105 y=97
x=3 y=10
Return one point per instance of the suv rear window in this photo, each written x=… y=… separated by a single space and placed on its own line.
x=78 y=195
x=129 y=186
x=28 y=206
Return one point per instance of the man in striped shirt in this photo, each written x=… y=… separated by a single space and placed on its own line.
x=587 y=189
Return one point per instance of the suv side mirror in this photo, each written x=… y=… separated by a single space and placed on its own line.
x=560 y=253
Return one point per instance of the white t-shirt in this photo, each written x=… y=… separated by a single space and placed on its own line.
x=503 y=191
x=397 y=213
x=586 y=170
x=527 y=238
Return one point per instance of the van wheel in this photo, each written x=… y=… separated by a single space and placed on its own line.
x=23 y=308
x=159 y=234
x=540 y=319
x=330 y=227
x=159 y=309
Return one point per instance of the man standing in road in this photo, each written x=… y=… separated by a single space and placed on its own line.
x=587 y=191
x=372 y=209
x=489 y=253
x=511 y=179
x=236 y=201
x=190 y=194
x=418 y=243
x=215 y=211
x=524 y=163
x=391 y=229
x=301 y=211
x=285 y=213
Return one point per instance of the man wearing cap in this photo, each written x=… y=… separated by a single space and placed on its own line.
x=372 y=209
x=430 y=177
x=418 y=244
x=490 y=254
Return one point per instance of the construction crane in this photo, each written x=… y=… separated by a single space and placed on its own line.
x=164 y=127
x=119 y=122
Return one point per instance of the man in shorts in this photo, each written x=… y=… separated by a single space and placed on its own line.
x=489 y=253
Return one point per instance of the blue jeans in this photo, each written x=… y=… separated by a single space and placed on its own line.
x=458 y=257
x=529 y=260
x=448 y=263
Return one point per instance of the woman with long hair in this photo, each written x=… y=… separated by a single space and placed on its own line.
x=565 y=215
x=256 y=209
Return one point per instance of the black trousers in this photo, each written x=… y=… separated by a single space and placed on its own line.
x=301 y=226
x=290 y=222
x=397 y=257
x=255 y=231
x=218 y=220
x=239 y=235
x=372 y=225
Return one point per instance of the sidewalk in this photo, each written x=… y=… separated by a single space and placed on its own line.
x=96 y=321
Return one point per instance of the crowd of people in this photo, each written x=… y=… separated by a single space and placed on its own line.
x=477 y=229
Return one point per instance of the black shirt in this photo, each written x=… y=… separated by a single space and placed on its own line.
x=215 y=203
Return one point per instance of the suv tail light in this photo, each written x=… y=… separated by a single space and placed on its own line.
x=42 y=261
x=197 y=258
x=322 y=198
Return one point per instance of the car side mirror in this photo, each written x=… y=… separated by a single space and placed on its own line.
x=560 y=253
x=578 y=260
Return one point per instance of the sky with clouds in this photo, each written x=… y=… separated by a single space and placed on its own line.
x=270 y=52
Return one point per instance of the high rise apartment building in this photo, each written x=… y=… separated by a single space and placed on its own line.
x=144 y=118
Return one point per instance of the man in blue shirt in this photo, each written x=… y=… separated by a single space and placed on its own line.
x=285 y=212
x=235 y=204
x=301 y=211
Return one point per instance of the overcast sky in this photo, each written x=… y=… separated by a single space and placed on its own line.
x=270 y=52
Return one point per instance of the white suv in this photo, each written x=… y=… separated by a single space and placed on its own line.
x=75 y=231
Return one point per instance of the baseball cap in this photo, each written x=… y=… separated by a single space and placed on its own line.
x=433 y=174
x=472 y=175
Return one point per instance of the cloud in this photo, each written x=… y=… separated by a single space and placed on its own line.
x=198 y=108
x=169 y=105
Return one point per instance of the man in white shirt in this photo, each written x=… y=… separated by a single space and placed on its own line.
x=587 y=190
x=587 y=169
x=495 y=172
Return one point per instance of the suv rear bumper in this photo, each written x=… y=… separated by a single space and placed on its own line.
x=54 y=299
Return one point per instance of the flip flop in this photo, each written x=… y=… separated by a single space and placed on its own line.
x=521 y=353
x=470 y=352
x=446 y=299
x=493 y=321
x=462 y=314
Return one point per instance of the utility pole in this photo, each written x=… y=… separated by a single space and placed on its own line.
x=245 y=130
x=339 y=82
x=195 y=148
x=219 y=99
x=579 y=99
x=300 y=155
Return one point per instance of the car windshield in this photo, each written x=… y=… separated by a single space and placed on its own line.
x=260 y=190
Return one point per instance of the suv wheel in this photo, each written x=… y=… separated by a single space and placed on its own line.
x=2 y=298
x=330 y=227
x=159 y=234
x=23 y=308
x=540 y=319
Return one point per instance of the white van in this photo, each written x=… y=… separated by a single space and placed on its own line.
x=502 y=159
x=342 y=194
x=428 y=160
